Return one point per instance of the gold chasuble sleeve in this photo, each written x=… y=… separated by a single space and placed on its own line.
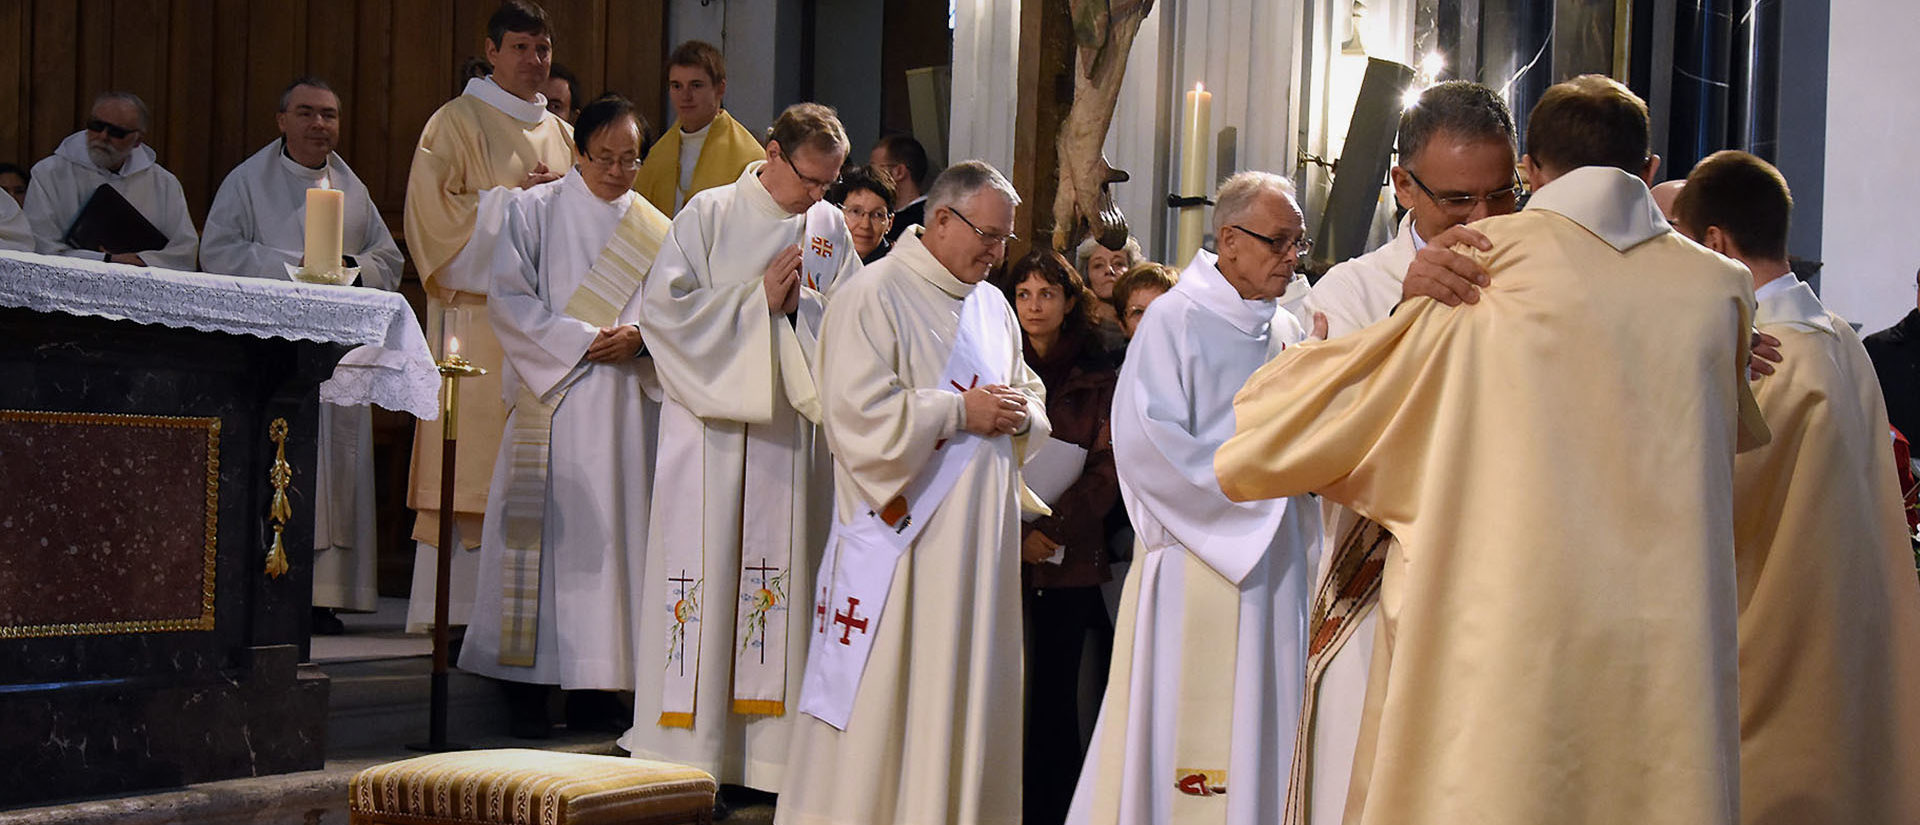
x=1557 y=625
x=1829 y=605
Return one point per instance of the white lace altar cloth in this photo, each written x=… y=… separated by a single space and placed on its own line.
x=389 y=365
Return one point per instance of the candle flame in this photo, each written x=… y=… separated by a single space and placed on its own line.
x=453 y=345
x=1198 y=87
x=324 y=184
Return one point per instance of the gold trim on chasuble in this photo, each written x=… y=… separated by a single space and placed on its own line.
x=204 y=621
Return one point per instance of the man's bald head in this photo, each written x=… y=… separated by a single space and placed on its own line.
x=1664 y=194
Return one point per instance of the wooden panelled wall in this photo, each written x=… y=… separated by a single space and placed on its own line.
x=212 y=71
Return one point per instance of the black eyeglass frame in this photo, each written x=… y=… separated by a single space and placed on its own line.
x=113 y=131
x=1463 y=203
x=992 y=239
x=1301 y=246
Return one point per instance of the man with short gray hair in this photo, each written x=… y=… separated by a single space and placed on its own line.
x=913 y=691
x=111 y=150
x=1202 y=730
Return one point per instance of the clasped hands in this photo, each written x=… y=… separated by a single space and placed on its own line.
x=619 y=343
x=781 y=280
x=994 y=409
x=1451 y=278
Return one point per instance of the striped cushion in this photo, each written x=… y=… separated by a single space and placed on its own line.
x=530 y=787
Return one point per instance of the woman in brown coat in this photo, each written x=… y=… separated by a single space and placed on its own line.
x=1065 y=554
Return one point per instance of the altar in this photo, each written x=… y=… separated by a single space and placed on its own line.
x=157 y=454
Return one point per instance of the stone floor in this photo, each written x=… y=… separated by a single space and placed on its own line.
x=377 y=704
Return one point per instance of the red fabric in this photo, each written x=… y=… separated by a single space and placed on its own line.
x=1909 y=493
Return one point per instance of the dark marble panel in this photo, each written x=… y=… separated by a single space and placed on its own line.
x=125 y=711
x=107 y=523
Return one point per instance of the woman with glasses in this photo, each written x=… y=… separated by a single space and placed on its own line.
x=864 y=197
x=1064 y=554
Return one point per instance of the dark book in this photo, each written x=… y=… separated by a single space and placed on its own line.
x=109 y=222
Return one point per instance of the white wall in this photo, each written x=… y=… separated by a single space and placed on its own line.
x=986 y=72
x=1870 y=238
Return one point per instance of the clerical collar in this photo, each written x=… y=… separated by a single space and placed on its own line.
x=912 y=251
x=1787 y=301
x=1775 y=287
x=310 y=171
x=1612 y=204
x=700 y=133
x=491 y=93
x=1209 y=287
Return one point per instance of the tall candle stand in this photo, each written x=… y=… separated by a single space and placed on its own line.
x=453 y=367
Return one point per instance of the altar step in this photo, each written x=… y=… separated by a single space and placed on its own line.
x=377 y=704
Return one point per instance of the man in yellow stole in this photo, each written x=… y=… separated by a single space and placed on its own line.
x=1557 y=625
x=563 y=547
x=731 y=313
x=705 y=147
x=496 y=133
x=1829 y=606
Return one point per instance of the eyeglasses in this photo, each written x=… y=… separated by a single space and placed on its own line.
x=991 y=239
x=812 y=183
x=115 y=132
x=1299 y=244
x=1465 y=203
x=876 y=216
x=621 y=164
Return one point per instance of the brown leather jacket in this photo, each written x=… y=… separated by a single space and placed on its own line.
x=1079 y=380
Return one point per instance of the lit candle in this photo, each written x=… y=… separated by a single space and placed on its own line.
x=1194 y=182
x=326 y=222
x=453 y=324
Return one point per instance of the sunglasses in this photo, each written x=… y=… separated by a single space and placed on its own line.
x=112 y=131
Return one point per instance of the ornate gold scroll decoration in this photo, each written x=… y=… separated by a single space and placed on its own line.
x=208 y=556
x=280 y=511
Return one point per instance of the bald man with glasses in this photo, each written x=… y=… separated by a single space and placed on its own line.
x=111 y=150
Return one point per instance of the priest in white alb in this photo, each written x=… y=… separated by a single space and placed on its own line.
x=1829 y=605
x=498 y=132
x=911 y=709
x=563 y=547
x=732 y=316
x=111 y=151
x=1456 y=149
x=257 y=228
x=1557 y=619
x=1204 y=696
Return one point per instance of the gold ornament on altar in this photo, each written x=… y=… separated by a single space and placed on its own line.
x=281 y=511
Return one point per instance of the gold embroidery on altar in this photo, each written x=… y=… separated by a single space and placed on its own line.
x=208 y=557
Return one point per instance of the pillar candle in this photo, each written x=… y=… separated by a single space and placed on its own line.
x=326 y=222
x=1194 y=139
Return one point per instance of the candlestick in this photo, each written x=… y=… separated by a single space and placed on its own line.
x=1194 y=182
x=452 y=368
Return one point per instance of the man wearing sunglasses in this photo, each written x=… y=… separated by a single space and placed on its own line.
x=111 y=149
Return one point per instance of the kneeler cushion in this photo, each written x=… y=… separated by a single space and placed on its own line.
x=530 y=787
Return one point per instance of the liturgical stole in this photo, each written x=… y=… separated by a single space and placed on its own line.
x=610 y=282
x=858 y=569
x=767 y=528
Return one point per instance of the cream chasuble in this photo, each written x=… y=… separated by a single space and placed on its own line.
x=935 y=732
x=739 y=516
x=484 y=138
x=594 y=424
x=64 y=182
x=15 y=233
x=1829 y=606
x=256 y=228
x=1557 y=624
x=1204 y=694
x=726 y=150
x=1340 y=621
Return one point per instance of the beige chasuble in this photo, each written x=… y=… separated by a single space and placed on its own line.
x=728 y=148
x=934 y=736
x=484 y=138
x=1557 y=625
x=1829 y=604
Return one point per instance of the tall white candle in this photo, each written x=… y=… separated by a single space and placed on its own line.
x=326 y=223
x=1194 y=181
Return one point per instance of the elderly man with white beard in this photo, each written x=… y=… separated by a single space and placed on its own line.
x=1204 y=695
x=111 y=150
